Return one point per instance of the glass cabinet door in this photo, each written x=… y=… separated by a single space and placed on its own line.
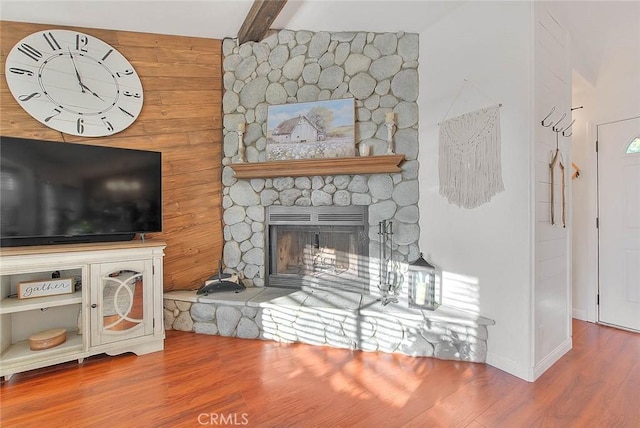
x=119 y=304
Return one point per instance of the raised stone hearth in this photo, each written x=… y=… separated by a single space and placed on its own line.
x=331 y=318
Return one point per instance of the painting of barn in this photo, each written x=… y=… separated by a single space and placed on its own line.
x=321 y=129
x=297 y=130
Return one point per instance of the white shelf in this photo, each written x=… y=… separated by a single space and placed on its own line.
x=20 y=352
x=12 y=304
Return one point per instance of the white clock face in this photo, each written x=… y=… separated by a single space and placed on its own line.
x=74 y=83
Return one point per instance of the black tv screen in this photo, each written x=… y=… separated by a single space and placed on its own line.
x=54 y=192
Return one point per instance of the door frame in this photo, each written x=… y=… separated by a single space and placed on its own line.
x=596 y=306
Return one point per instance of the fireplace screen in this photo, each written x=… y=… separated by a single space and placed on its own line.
x=317 y=246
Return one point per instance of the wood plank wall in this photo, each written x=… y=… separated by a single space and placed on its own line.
x=181 y=117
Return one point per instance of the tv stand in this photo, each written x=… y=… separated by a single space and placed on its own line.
x=117 y=309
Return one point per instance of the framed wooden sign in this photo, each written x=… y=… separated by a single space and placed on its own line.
x=48 y=287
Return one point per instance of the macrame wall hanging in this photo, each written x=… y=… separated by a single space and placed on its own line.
x=469 y=157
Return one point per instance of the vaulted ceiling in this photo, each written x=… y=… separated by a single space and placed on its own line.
x=601 y=31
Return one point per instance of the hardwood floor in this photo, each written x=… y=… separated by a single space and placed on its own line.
x=204 y=380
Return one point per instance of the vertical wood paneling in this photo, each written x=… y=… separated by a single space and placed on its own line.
x=181 y=117
x=553 y=261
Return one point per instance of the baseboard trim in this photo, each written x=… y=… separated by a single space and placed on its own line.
x=509 y=366
x=551 y=358
x=532 y=373
x=579 y=314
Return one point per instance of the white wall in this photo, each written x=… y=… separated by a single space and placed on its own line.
x=613 y=97
x=552 y=290
x=490 y=45
x=583 y=201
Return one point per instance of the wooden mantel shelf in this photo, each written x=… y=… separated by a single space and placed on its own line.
x=311 y=167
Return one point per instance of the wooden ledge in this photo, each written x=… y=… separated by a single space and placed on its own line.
x=311 y=167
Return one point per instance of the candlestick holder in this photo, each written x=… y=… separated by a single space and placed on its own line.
x=240 y=145
x=390 y=123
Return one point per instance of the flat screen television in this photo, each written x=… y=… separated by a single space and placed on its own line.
x=55 y=193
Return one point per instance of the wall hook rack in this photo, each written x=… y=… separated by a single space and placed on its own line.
x=555 y=127
x=564 y=134
x=547 y=117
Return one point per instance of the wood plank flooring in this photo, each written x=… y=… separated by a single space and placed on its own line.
x=204 y=380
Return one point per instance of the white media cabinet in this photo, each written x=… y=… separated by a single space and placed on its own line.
x=116 y=308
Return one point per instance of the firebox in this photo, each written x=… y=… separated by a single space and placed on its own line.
x=324 y=246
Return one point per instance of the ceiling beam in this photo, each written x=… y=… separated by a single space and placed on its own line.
x=259 y=20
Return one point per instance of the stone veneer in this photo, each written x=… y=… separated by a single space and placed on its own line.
x=338 y=319
x=380 y=72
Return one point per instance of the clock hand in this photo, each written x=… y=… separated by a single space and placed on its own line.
x=92 y=93
x=76 y=69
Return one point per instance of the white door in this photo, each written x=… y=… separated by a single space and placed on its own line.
x=619 y=214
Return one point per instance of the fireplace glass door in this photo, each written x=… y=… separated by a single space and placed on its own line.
x=324 y=255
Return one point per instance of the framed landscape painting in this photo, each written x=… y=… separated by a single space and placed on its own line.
x=319 y=129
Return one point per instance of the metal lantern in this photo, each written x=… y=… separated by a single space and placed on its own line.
x=425 y=285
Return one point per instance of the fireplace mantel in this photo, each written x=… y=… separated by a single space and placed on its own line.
x=311 y=167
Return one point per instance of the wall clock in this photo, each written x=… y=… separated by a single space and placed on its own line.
x=74 y=83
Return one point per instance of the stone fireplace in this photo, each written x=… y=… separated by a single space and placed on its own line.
x=310 y=238
x=378 y=70
x=323 y=246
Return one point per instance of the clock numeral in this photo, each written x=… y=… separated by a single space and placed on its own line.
x=52 y=41
x=21 y=71
x=131 y=94
x=29 y=96
x=81 y=43
x=125 y=112
x=30 y=51
x=57 y=112
x=127 y=72
x=107 y=54
x=80 y=126
x=107 y=123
